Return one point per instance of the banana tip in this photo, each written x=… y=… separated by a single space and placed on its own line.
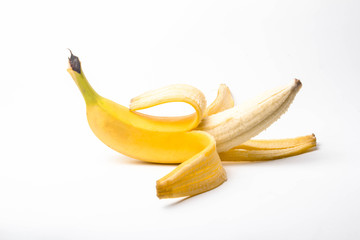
x=314 y=137
x=298 y=83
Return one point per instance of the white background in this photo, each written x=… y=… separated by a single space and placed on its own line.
x=58 y=181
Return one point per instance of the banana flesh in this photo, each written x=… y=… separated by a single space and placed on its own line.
x=238 y=124
x=194 y=140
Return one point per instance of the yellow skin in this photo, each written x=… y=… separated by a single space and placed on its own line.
x=156 y=139
x=138 y=135
x=170 y=139
x=262 y=150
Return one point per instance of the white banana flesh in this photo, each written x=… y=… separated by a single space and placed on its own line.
x=236 y=125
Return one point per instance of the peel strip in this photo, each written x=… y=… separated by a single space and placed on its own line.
x=257 y=144
x=173 y=93
x=239 y=154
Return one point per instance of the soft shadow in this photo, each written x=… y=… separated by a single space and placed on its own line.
x=194 y=197
x=231 y=163
x=133 y=161
x=176 y=203
x=318 y=145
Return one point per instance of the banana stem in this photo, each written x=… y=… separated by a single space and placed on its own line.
x=77 y=74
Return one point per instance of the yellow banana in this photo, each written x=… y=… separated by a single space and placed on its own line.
x=157 y=139
x=192 y=140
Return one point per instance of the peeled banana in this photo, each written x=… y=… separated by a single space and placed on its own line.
x=199 y=141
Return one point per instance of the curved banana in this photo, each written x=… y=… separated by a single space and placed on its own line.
x=192 y=140
x=157 y=139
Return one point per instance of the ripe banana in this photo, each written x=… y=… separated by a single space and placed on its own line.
x=196 y=140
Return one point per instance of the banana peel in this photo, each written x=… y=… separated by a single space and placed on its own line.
x=198 y=142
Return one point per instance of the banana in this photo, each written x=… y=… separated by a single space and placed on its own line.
x=194 y=140
x=157 y=139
